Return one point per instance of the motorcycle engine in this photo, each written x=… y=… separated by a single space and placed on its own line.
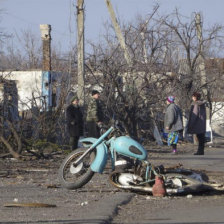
x=127 y=179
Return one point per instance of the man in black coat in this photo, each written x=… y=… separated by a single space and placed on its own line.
x=74 y=120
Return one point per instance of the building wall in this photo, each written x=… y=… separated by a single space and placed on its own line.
x=29 y=86
x=217 y=121
x=37 y=88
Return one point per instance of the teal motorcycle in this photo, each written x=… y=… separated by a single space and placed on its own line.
x=130 y=168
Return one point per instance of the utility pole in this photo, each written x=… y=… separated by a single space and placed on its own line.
x=47 y=88
x=144 y=44
x=198 y=24
x=118 y=32
x=202 y=71
x=80 y=44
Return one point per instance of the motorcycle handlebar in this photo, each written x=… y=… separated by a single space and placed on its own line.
x=115 y=124
x=119 y=126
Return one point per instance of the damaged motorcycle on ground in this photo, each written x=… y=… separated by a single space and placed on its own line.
x=130 y=168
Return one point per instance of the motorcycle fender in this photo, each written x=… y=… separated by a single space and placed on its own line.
x=100 y=160
x=87 y=142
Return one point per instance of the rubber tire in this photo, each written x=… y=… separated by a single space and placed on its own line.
x=190 y=179
x=84 y=179
x=193 y=186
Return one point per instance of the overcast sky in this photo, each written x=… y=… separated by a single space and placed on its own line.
x=18 y=15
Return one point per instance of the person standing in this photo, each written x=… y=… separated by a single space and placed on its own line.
x=94 y=118
x=74 y=119
x=173 y=123
x=197 y=121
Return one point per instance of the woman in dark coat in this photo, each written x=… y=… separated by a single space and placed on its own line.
x=197 y=121
x=74 y=120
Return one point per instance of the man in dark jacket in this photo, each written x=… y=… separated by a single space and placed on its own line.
x=94 y=116
x=74 y=119
x=197 y=121
x=173 y=123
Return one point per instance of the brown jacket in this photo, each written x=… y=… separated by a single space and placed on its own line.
x=197 y=118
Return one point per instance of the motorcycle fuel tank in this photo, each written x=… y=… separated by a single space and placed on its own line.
x=129 y=147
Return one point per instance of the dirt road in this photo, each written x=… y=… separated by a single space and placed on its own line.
x=99 y=202
x=205 y=208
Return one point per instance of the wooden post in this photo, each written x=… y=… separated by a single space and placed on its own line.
x=201 y=56
x=80 y=44
x=202 y=71
x=118 y=32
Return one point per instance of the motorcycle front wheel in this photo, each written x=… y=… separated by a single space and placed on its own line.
x=75 y=176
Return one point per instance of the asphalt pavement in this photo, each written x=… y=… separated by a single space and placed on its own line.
x=206 y=208
x=98 y=202
x=212 y=162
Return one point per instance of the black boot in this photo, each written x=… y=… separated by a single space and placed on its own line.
x=201 y=144
x=199 y=153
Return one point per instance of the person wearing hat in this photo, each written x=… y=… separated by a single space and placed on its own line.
x=94 y=118
x=74 y=120
x=197 y=121
x=173 y=123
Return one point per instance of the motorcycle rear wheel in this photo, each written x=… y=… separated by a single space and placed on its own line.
x=175 y=183
x=183 y=184
x=72 y=177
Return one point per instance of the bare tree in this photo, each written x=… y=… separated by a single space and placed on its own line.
x=165 y=52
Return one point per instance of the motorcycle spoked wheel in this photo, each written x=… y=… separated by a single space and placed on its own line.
x=175 y=183
x=72 y=177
